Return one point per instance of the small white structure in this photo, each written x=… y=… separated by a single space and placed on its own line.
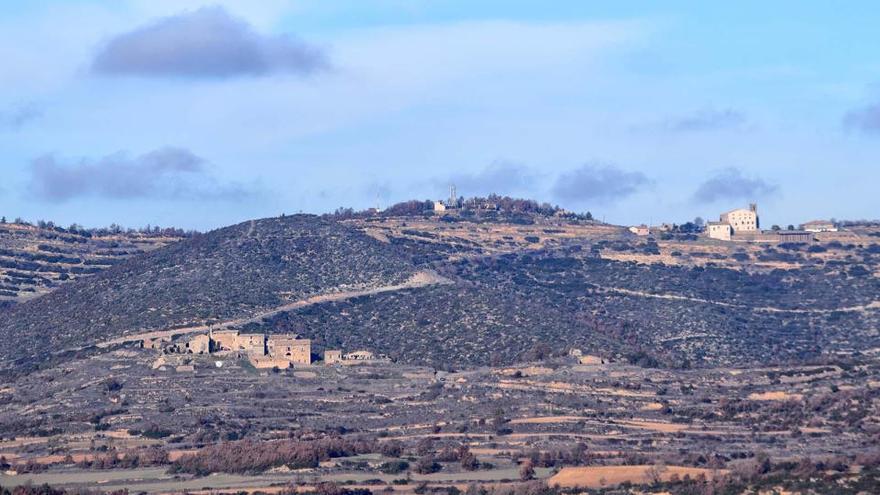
x=719 y=230
x=819 y=226
x=439 y=207
x=359 y=356
x=640 y=230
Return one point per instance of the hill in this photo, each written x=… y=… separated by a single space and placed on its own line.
x=513 y=290
x=227 y=273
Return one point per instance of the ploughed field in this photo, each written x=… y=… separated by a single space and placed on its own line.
x=36 y=260
x=128 y=418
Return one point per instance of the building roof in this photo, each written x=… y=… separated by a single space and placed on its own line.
x=284 y=336
x=738 y=209
x=819 y=222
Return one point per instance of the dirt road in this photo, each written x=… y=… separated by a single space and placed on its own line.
x=419 y=279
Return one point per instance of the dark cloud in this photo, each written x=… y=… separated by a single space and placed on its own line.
x=380 y=190
x=171 y=173
x=865 y=119
x=501 y=177
x=205 y=43
x=729 y=184
x=16 y=116
x=599 y=183
x=707 y=120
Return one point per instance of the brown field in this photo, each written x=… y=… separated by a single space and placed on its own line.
x=599 y=476
x=547 y=419
x=656 y=426
x=782 y=396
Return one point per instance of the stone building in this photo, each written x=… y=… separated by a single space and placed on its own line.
x=281 y=350
x=224 y=340
x=332 y=356
x=252 y=343
x=289 y=347
x=158 y=343
x=742 y=219
x=199 y=344
x=719 y=230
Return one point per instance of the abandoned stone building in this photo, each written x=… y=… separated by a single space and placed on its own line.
x=279 y=350
x=289 y=347
x=332 y=356
x=224 y=340
x=356 y=357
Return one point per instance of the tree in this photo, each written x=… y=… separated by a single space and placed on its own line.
x=427 y=465
x=655 y=473
x=469 y=461
x=527 y=471
x=3 y=220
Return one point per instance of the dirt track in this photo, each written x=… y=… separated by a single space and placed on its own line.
x=419 y=279
x=875 y=305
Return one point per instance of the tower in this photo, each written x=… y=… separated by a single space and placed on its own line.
x=453 y=198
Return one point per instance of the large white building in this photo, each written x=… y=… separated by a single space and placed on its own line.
x=742 y=219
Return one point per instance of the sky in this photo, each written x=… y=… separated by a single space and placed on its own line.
x=199 y=114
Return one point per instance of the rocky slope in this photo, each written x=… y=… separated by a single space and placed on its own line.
x=228 y=273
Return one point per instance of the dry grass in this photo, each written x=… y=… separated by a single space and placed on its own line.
x=780 y=396
x=599 y=476
x=655 y=426
x=538 y=420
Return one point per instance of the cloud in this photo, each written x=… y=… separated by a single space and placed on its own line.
x=171 y=173
x=500 y=177
x=866 y=119
x=17 y=116
x=205 y=43
x=707 y=120
x=600 y=183
x=729 y=184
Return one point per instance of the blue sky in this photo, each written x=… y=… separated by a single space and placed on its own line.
x=201 y=114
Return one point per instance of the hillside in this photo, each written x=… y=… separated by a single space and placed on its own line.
x=35 y=260
x=509 y=292
x=227 y=273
